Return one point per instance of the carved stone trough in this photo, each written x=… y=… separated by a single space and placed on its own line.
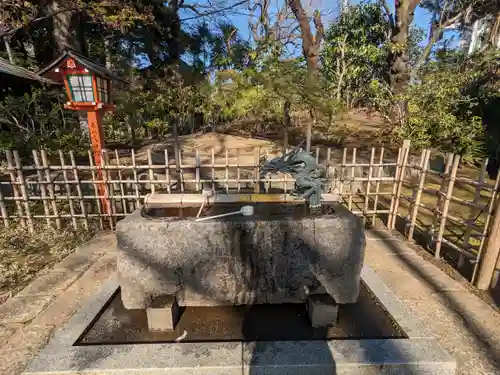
x=281 y=254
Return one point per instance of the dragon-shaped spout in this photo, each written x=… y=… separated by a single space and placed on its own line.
x=301 y=165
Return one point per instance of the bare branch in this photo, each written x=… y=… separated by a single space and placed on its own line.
x=215 y=11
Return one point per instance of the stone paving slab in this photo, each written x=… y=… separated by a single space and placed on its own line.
x=50 y=284
x=22 y=347
x=6 y=332
x=465 y=325
x=337 y=356
x=22 y=309
x=28 y=320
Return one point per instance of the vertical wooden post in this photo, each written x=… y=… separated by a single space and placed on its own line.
x=76 y=177
x=43 y=190
x=238 y=185
x=442 y=190
x=368 y=186
x=377 y=185
x=151 y=174
x=394 y=187
x=488 y=261
x=342 y=172
x=405 y=151
x=328 y=166
x=418 y=195
x=50 y=188
x=68 y=191
x=473 y=212
x=256 y=158
x=136 y=181
x=213 y=169
x=353 y=165
x=446 y=205
x=181 y=172
x=197 y=165
x=226 y=175
x=15 y=187
x=3 y=210
x=24 y=191
x=120 y=182
x=486 y=230
x=167 y=171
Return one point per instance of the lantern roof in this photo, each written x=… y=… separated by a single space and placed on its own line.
x=87 y=63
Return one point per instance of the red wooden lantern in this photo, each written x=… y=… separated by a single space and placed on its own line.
x=88 y=87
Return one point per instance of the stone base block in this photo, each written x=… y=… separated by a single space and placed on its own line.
x=323 y=310
x=163 y=314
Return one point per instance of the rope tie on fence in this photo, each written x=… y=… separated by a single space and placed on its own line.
x=301 y=165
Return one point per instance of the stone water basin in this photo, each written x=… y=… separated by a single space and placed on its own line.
x=282 y=254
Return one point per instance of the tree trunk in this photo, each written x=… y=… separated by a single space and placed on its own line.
x=108 y=52
x=66 y=34
x=399 y=72
x=310 y=50
x=65 y=29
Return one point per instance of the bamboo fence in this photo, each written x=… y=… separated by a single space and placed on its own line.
x=442 y=208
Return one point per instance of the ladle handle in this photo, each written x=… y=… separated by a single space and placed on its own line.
x=221 y=215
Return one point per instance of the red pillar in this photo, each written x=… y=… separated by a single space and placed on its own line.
x=96 y=131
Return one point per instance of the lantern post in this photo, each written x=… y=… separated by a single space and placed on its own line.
x=88 y=87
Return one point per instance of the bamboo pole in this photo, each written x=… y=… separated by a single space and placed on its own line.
x=394 y=186
x=238 y=176
x=24 y=191
x=213 y=169
x=3 y=210
x=76 y=177
x=151 y=172
x=136 y=181
x=446 y=205
x=43 y=190
x=349 y=203
x=377 y=184
x=473 y=212
x=226 y=175
x=489 y=215
x=120 y=184
x=256 y=186
x=167 y=171
x=181 y=172
x=50 y=187
x=328 y=172
x=197 y=161
x=68 y=191
x=368 y=185
x=399 y=186
x=441 y=192
x=15 y=187
x=488 y=260
x=418 y=196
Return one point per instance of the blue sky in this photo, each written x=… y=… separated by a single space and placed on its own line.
x=422 y=16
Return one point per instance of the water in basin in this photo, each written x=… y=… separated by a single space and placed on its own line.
x=261 y=210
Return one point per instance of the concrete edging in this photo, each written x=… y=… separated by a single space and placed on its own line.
x=420 y=353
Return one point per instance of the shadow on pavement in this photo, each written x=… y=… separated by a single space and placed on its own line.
x=454 y=308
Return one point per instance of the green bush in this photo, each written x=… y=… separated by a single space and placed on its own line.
x=442 y=115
